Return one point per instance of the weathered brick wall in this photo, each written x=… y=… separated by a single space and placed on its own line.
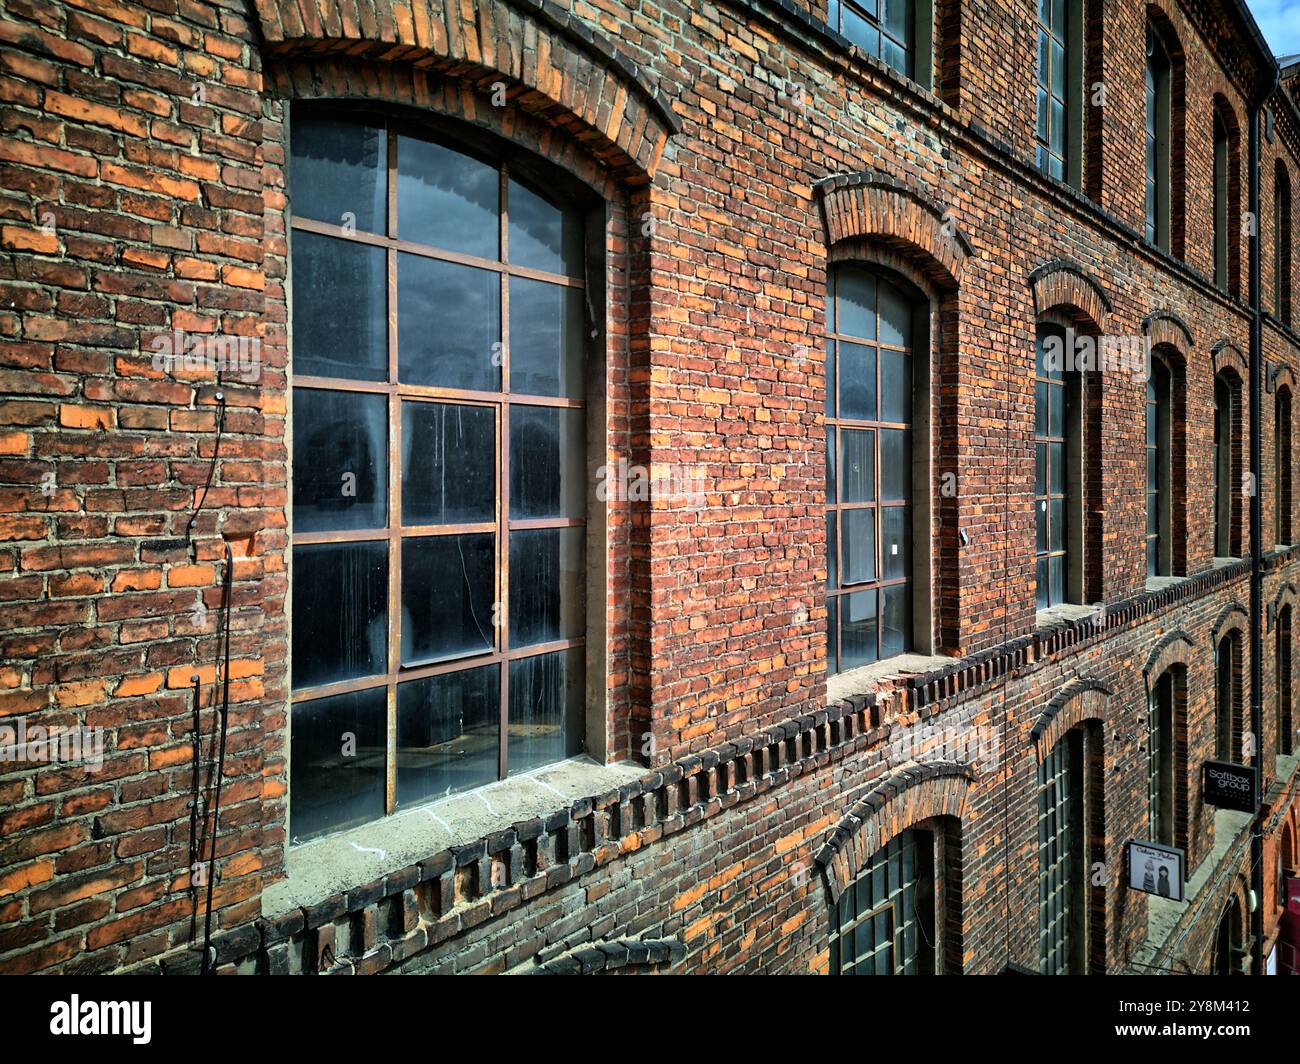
x=143 y=174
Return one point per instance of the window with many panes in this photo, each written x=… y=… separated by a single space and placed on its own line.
x=1159 y=428
x=1282 y=466
x=1227 y=698
x=1158 y=74
x=1061 y=873
x=439 y=494
x=1282 y=656
x=884 y=921
x=1282 y=237
x=1161 y=760
x=1056 y=402
x=869 y=396
x=1225 y=462
x=883 y=28
x=1222 y=222
x=1056 y=54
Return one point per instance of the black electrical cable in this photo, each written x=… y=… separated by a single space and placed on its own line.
x=196 y=742
x=226 y=602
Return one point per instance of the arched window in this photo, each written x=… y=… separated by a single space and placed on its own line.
x=1166 y=760
x=1228 y=950
x=1282 y=499
x=1282 y=237
x=1160 y=492
x=1062 y=859
x=1058 y=494
x=438 y=467
x=892 y=919
x=876 y=378
x=1227 y=698
x=1227 y=466
x=1282 y=656
x=1059 y=124
x=899 y=32
x=1159 y=72
x=1223 y=149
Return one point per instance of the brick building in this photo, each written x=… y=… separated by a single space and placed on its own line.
x=853 y=501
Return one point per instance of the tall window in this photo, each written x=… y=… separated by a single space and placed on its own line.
x=1159 y=468
x=1282 y=655
x=1060 y=55
x=1161 y=760
x=1282 y=236
x=1056 y=441
x=886 y=29
x=438 y=470
x=1282 y=500
x=1227 y=698
x=869 y=396
x=1159 y=71
x=1226 y=466
x=1222 y=222
x=1062 y=872
x=884 y=922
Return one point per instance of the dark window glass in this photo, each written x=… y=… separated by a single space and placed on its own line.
x=340 y=612
x=448 y=463
x=447 y=733
x=1158 y=467
x=338 y=754
x=547 y=475
x=339 y=309
x=546 y=567
x=883 y=28
x=542 y=235
x=447 y=199
x=1157 y=142
x=1161 y=761
x=1221 y=219
x=1054 y=44
x=339 y=171
x=546 y=707
x=1055 y=408
x=340 y=461
x=1061 y=873
x=447 y=597
x=546 y=326
x=448 y=325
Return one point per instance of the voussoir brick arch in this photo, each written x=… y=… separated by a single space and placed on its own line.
x=1226 y=355
x=867 y=206
x=911 y=795
x=1085 y=698
x=1232 y=618
x=548 y=62
x=1174 y=648
x=1063 y=283
x=1282 y=374
x=1286 y=596
x=1164 y=328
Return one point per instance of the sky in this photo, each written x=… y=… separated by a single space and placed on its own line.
x=1279 y=21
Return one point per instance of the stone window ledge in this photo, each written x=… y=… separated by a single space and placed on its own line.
x=340 y=862
x=867 y=679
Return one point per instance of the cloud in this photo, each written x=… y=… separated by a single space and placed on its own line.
x=1279 y=21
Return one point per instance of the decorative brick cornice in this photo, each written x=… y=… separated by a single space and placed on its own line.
x=909 y=796
x=1065 y=283
x=870 y=206
x=553 y=64
x=1085 y=698
x=618 y=953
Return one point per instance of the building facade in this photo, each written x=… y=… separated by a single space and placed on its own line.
x=854 y=500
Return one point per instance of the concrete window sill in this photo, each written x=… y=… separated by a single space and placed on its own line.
x=867 y=678
x=336 y=863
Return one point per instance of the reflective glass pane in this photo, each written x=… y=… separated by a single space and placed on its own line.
x=546 y=585
x=337 y=771
x=340 y=315
x=832 y=635
x=858 y=547
x=1056 y=468
x=895 y=542
x=856 y=313
x=448 y=324
x=830 y=378
x=340 y=611
x=447 y=733
x=546 y=338
x=832 y=551
x=547 y=462
x=340 y=460
x=447 y=199
x=1040 y=469
x=338 y=171
x=830 y=464
x=546 y=709
x=895 y=386
x=895 y=464
x=895 y=619
x=1056 y=522
x=857 y=381
x=448 y=463
x=858 y=629
x=542 y=236
x=1040 y=408
x=858 y=465
x=447 y=596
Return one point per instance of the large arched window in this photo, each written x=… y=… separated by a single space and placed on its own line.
x=1282 y=238
x=1058 y=475
x=439 y=472
x=1227 y=466
x=893 y=919
x=1159 y=447
x=1228 y=697
x=1166 y=758
x=1282 y=658
x=1159 y=71
x=1225 y=178
x=1282 y=497
x=1062 y=859
x=876 y=366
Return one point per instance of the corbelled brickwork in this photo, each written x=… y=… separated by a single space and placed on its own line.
x=741 y=148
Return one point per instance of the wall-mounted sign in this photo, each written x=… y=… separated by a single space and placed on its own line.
x=1156 y=869
x=1229 y=786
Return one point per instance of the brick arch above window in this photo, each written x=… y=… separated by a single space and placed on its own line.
x=909 y=796
x=1167 y=328
x=1225 y=355
x=1175 y=648
x=1232 y=618
x=1064 y=283
x=575 y=78
x=1286 y=596
x=1085 y=698
x=1283 y=376
x=871 y=206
